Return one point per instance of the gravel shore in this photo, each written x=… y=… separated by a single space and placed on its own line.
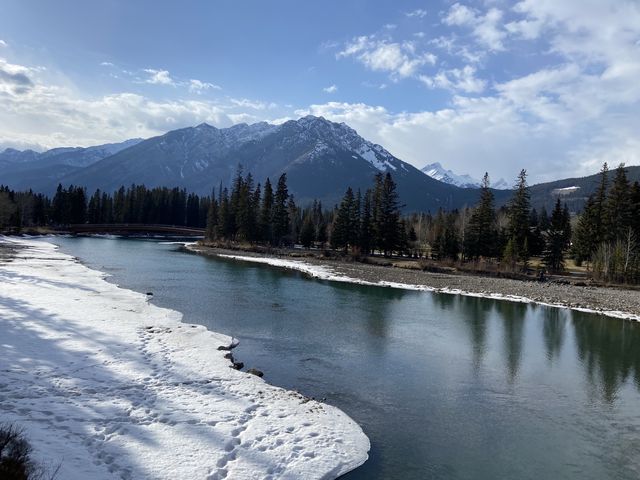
x=613 y=301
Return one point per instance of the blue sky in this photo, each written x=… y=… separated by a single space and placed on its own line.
x=476 y=85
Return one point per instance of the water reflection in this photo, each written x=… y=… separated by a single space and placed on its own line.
x=609 y=351
x=513 y=317
x=553 y=330
x=479 y=312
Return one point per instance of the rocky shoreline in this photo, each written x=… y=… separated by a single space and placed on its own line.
x=611 y=301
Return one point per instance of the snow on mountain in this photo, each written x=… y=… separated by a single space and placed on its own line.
x=501 y=185
x=438 y=172
x=565 y=190
x=342 y=136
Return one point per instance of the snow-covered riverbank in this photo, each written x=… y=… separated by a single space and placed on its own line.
x=110 y=386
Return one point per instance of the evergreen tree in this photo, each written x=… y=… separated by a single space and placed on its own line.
x=617 y=212
x=344 y=227
x=212 y=219
x=555 y=237
x=387 y=214
x=518 y=215
x=635 y=209
x=307 y=232
x=266 y=214
x=364 y=241
x=280 y=214
x=481 y=235
x=225 y=223
x=598 y=215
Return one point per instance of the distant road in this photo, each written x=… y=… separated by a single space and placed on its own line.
x=128 y=228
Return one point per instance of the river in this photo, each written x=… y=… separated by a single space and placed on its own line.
x=445 y=386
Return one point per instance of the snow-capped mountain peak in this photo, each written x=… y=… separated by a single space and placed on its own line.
x=340 y=136
x=438 y=172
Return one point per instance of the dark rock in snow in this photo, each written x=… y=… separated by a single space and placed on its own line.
x=255 y=371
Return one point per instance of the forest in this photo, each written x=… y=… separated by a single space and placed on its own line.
x=604 y=238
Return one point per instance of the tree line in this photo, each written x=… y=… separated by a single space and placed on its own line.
x=608 y=231
x=135 y=204
x=255 y=214
x=604 y=237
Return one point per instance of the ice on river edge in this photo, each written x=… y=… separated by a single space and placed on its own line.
x=110 y=386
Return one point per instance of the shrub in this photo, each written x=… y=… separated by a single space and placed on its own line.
x=15 y=457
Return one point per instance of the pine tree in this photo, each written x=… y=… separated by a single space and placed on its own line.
x=266 y=214
x=307 y=232
x=225 y=225
x=635 y=209
x=555 y=240
x=364 y=242
x=387 y=214
x=342 y=232
x=599 y=208
x=280 y=214
x=518 y=213
x=481 y=236
x=617 y=212
x=212 y=219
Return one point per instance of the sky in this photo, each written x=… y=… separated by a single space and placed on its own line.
x=486 y=85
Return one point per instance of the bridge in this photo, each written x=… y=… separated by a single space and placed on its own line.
x=132 y=229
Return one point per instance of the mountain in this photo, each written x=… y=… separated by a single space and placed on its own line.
x=321 y=159
x=572 y=191
x=39 y=170
x=438 y=172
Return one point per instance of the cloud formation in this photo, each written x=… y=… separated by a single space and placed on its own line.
x=14 y=79
x=330 y=89
x=158 y=77
x=486 y=27
x=418 y=13
x=401 y=60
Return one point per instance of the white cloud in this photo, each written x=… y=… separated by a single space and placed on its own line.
x=487 y=29
x=460 y=15
x=3 y=43
x=106 y=64
x=158 y=77
x=418 y=13
x=401 y=60
x=198 y=86
x=330 y=89
x=15 y=79
x=499 y=134
x=456 y=79
x=252 y=104
x=40 y=113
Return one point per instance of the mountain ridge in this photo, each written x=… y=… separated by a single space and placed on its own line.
x=321 y=159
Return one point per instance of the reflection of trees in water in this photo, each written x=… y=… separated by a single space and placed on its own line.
x=553 y=331
x=373 y=302
x=475 y=316
x=513 y=317
x=609 y=349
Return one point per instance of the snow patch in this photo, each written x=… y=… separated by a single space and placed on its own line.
x=111 y=386
x=564 y=191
